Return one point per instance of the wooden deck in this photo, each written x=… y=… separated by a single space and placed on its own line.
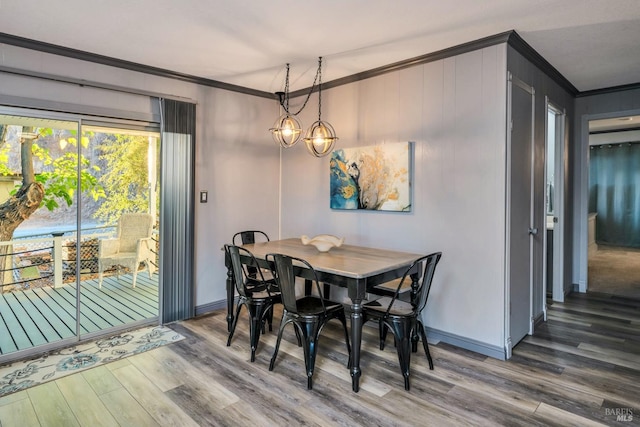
x=40 y=316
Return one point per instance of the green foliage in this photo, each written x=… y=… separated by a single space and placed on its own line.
x=62 y=182
x=4 y=159
x=126 y=180
x=60 y=175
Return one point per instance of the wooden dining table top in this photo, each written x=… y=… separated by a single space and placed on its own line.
x=351 y=261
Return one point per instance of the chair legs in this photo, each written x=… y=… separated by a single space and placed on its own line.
x=423 y=335
x=402 y=333
x=307 y=332
x=382 y=329
x=257 y=315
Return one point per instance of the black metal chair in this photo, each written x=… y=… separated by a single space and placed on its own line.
x=308 y=314
x=255 y=293
x=403 y=318
x=248 y=237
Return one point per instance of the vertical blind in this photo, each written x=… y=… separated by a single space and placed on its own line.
x=614 y=193
x=178 y=121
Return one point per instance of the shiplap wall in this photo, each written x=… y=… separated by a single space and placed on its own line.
x=454 y=110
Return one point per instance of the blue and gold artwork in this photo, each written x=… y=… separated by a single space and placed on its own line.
x=372 y=178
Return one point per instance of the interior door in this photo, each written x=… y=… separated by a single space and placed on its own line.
x=521 y=214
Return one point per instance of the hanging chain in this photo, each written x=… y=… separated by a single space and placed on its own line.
x=319 y=88
x=285 y=100
x=286 y=91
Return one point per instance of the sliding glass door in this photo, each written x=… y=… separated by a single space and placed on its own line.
x=78 y=228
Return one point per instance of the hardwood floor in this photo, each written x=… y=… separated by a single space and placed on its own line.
x=580 y=368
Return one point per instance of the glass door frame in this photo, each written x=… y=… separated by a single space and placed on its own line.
x=81 y=121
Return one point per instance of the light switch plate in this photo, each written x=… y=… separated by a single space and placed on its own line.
x=203 y=197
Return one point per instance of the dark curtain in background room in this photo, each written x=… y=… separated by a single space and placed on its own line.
x=614 y=193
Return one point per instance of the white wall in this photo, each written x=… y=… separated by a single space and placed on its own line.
x=455 y=112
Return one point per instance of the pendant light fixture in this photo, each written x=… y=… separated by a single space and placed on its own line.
x=319 y=138
x=287 y=130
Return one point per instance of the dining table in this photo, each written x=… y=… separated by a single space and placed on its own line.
x=356 y=268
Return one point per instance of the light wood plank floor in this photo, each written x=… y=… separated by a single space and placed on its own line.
x=581 y=368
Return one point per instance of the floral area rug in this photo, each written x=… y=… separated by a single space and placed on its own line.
x=56 y=364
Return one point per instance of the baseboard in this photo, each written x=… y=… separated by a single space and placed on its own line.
x=538 y=320
x=433 y=335
x=212 y=306
x=466 y=343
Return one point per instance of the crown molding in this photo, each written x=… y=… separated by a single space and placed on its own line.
x=127 y=65
x=512 y=38
x=621 y=88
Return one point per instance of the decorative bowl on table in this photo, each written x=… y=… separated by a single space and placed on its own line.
x=323 y=242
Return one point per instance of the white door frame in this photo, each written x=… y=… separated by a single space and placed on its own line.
x=558 y=202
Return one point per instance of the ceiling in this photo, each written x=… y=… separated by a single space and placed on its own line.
x=593 y=43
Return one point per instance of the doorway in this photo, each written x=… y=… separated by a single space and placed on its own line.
x=82 y=175
x=613 y=253
x=554 y=202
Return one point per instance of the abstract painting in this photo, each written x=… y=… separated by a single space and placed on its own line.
x=373 y=178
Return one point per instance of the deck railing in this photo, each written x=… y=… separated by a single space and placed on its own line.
x=49 y=259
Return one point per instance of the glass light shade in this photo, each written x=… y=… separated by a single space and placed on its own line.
x=286 y=131
x=320 y=138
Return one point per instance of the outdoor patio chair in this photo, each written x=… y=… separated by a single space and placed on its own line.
x=131 y=246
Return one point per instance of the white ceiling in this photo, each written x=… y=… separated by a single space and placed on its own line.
x=593 y=43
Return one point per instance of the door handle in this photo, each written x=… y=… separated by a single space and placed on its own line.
x=533 y=231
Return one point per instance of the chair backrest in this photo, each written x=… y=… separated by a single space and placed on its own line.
x=283 y=271
x=131 y=228
x=249 y=236
x=241 y=273
x=424 y=285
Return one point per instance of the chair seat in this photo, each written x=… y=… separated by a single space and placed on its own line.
x=312 y=306
x=121 y=256
x=257 y=284
x=389 y=288
x=263 y=295
x=399 y=308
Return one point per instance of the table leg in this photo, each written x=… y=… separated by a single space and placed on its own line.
x=356 y=341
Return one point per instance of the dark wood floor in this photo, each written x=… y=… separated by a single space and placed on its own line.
x=581 y=368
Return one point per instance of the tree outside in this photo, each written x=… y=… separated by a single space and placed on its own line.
x=43 y=161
